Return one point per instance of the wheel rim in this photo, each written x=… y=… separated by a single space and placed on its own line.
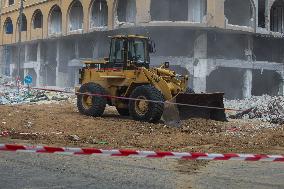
x=141 y=106
x=87 y=101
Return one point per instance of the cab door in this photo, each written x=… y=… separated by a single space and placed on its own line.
x=118 y=53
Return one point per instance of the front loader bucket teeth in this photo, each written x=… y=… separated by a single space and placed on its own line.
x=204 y=105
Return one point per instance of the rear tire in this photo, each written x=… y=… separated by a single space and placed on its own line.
x=91 y=105
x=143 y=110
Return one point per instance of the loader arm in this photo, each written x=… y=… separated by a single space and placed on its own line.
x=159 y=83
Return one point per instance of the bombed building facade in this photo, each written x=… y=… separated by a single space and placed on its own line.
x=233 y=46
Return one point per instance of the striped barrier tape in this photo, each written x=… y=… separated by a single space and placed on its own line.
x=141 y=154
x=4 y=133
x=134 y=99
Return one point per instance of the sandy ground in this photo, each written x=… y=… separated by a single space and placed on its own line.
x=54 y=124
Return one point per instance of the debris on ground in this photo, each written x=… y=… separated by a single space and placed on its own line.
x=264 y=108
x=61 y=124
x=11 y=96
x=75 y=138
x=5 y=80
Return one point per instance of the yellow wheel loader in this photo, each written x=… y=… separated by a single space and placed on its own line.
x=127 y=73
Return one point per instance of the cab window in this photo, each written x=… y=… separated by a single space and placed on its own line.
x=117 y=50
x=137 y=51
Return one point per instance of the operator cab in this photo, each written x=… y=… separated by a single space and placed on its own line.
x=128 y=52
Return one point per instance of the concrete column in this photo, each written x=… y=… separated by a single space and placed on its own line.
x=247 y=77
x=247 y=83
x=57 y=62
x=61 y=76
x=38 y=54
x=3 y=60
x=143 y=11
x=215 y=13
x=39 y=80
x=96 y=50
x=200 y=63
x=267 y=15
x=26 y=53
x=281 y=88
x=77 y=55
x=281 y=85
x=26 y=71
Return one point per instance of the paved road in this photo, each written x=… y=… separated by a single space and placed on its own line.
x=236 y=175
x=22 y=170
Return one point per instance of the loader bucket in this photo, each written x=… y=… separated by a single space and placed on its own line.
x=204 y=105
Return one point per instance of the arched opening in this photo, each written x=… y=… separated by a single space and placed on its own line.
x=8 y=26
x=76 y=16
x=227 y=80
x=24 y=23
x=49 y=68
x=276 y=16
x=265 y=82
x=239 y=12
x=37 y=19
x=99 y=14
x=126 y=11
x=11 y=2
x=178 y=10
x=261 y=13
x=55 y=20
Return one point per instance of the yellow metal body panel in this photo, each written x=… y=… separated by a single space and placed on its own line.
x=99 y=61
x=129 y=36
x=122 y=82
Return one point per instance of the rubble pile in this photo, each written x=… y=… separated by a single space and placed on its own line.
x=9 y=94
x=5 y=80
x=264 y=108
x=12 y=96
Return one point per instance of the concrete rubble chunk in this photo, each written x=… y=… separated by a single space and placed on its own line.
x=73 y=137
x=264 y=108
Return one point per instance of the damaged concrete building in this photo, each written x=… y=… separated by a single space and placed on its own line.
x=232 y=46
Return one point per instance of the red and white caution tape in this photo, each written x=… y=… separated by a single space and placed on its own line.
x=128 y=98
x=4 y=133
x=141 y=154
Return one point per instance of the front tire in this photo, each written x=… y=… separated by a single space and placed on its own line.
x=91 y=105
x=144 y=110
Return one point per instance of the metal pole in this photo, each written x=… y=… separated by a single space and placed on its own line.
x=19 y=43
